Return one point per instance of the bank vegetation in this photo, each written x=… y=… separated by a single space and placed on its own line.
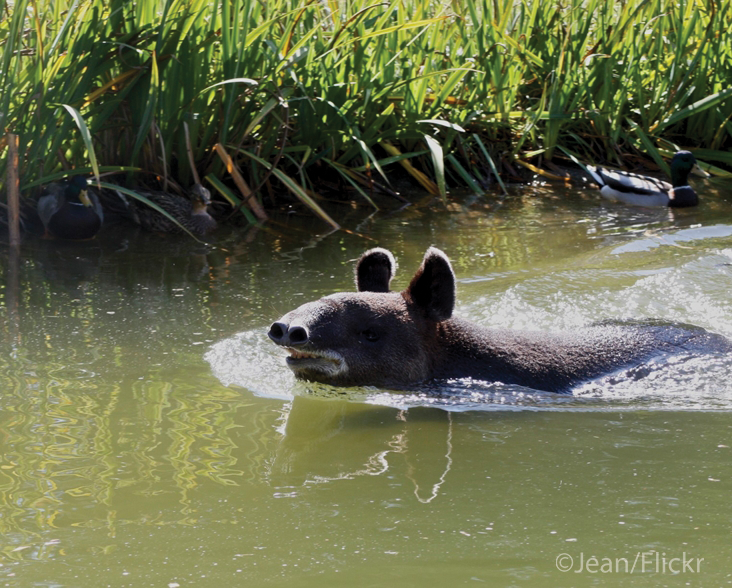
x=327 y=99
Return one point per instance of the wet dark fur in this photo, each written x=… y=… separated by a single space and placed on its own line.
x=400 y=339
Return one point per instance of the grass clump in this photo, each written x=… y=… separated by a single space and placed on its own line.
x=300 y=95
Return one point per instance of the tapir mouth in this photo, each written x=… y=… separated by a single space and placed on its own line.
x=295 y=354
x=326 y=361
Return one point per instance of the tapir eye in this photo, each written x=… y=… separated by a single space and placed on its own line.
x=370 y=335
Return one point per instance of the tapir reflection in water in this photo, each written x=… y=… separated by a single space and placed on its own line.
x=375 y=337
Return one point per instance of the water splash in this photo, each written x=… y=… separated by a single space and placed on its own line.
x=676 y=383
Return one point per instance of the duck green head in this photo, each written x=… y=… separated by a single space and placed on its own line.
x=77 y=189
x=682 y=164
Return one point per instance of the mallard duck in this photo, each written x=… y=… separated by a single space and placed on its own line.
x=69 y=210
x=191 y=212
x=647 y=191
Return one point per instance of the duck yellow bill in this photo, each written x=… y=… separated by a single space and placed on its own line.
x=84 y=198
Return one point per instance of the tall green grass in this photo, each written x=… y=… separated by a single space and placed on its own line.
x=297 y=92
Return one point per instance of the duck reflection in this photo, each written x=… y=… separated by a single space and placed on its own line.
x=69 y=264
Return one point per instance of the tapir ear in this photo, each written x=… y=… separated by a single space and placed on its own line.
x=374 y=270
x=433 y=286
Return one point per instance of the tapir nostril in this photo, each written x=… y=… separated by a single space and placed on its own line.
x=298 y=335
x=277 y=331
x=284 y=334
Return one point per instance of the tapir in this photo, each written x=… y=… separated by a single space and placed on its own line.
x=375 y=337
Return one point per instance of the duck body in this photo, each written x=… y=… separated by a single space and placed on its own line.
x=191 y=212
x=638 y=190
x=70 y=211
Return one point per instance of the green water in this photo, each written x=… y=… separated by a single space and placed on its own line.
x=152 y=436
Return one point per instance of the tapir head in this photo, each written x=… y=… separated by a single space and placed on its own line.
x=372 y=337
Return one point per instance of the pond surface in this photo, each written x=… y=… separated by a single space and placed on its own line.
x=152 y=435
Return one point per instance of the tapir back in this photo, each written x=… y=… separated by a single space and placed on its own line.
x=558 y=361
